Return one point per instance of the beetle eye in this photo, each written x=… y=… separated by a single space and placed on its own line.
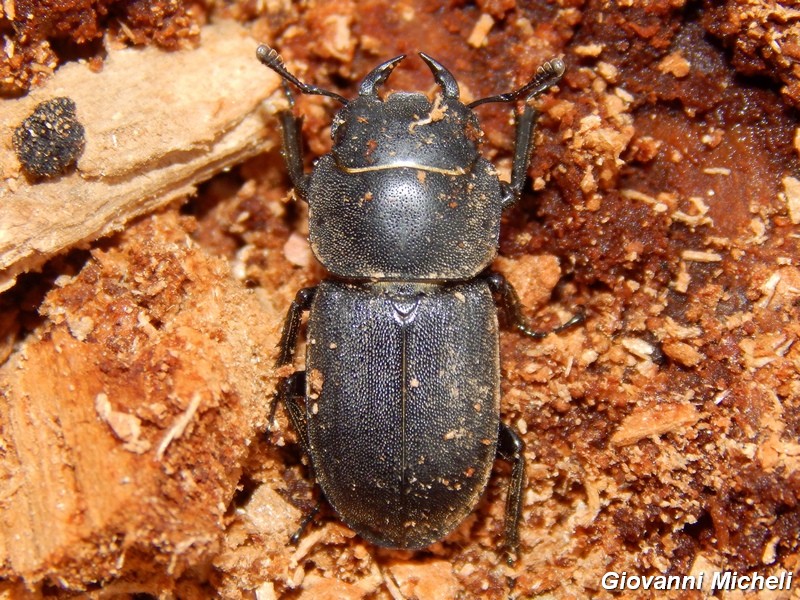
x=335 y=124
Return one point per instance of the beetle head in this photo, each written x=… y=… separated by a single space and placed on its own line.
x=404 y=194
x=406 y=129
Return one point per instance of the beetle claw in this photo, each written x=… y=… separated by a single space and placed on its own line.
x=294 y=539
x=511 y=557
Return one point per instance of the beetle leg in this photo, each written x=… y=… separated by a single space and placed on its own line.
x=509 y=448
x=288 y=391
x=292 y=151
x=289 y=388
x=523 y=148
x=307 y=518
x=548 y=75
x=291 y=326
x=511 y=308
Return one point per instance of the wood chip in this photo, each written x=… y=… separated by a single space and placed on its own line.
x=675 y=64
x=717 y=171
x=179 y=426
x=700 y=256
x=588 y=50
x=481 y=30
x=157 y=124
x=630 y=194
x=791 y=189
x=682 y=352
x=638 y=348
x=657 y=419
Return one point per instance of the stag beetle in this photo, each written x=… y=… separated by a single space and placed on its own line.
x=398 y=406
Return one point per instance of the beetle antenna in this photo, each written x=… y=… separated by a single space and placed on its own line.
x=270 y=57
x=548 y=75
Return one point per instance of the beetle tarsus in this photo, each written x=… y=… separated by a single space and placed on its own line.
x=294 y=539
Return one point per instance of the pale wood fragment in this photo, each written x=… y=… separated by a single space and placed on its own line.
x=654 y=420
x=157 y=124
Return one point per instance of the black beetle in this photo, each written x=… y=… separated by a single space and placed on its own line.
x=398 y=408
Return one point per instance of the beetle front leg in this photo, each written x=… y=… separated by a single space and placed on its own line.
x=510 y=447
x=548 y=75
x=511 y=308
x=523 y=148
x=292 y=151
x=292 y=146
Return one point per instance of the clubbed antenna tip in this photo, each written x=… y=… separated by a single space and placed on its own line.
x=270 y=58
x=546 y=77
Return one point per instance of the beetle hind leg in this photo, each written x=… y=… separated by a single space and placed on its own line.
x=510 y=447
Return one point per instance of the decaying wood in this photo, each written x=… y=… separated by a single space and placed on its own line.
x=157 y=124
x=661 y=434
x=125 y=418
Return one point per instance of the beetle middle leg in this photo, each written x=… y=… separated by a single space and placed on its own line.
x=510 y=447
x=511 y=308
x=291 y=326
x=291 y=390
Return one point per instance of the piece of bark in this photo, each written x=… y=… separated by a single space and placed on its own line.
x=157 y=124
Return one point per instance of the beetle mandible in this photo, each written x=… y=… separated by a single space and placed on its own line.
x=398 y=407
